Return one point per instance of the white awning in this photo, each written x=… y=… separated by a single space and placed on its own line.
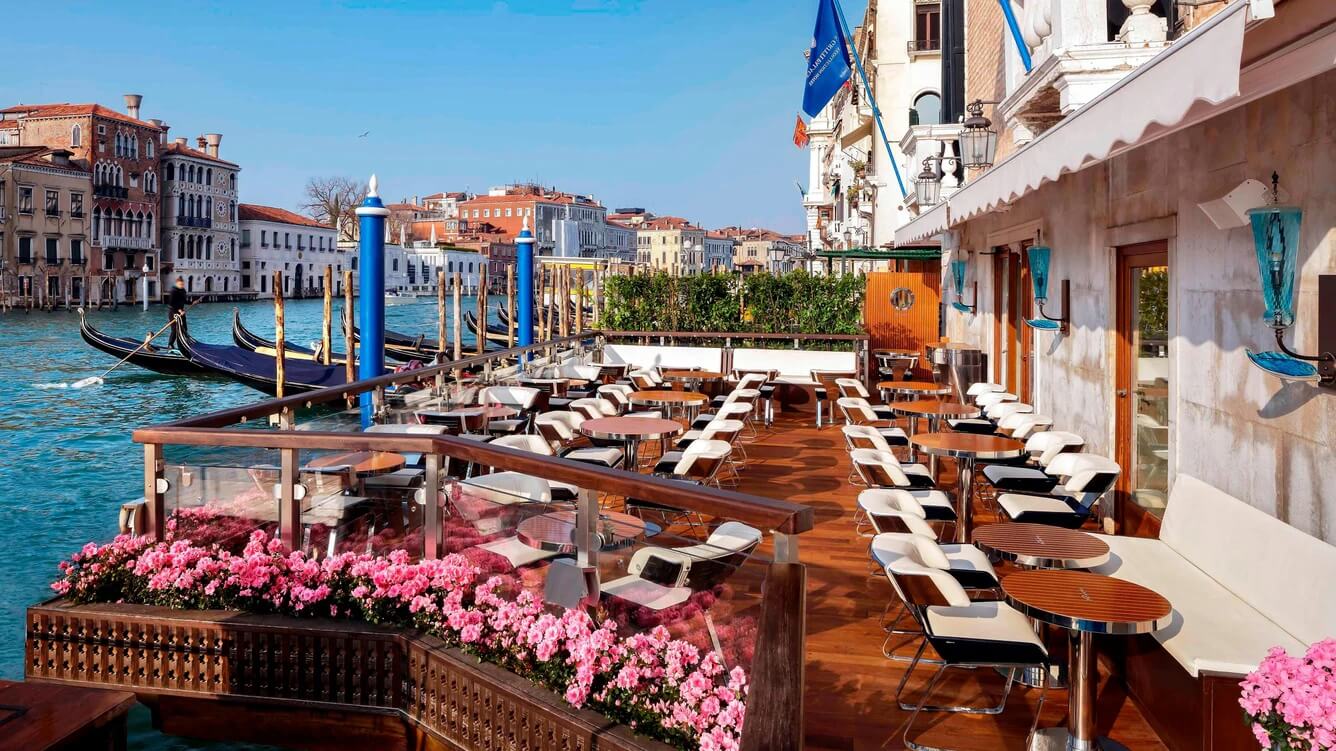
x=1150 y=102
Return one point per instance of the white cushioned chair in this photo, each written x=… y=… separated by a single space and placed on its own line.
x=1089 y=478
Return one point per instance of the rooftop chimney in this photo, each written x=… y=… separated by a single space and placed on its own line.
x=213 y=139
x=132 y=102
x=180 y=141
x=200 y=143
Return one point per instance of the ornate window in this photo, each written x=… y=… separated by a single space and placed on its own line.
x=76 y=136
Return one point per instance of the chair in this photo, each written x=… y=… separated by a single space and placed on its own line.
x=746 y=381
x=645 y=380
x=932 y=506
x=979 y=389
x=857 y=411
x=593 y=408
x=852 y=388
x=718 y=430
x=732 y=408
x=700 y=464
x=826 y=390
x=1022 y=425
x=1089 y=477
x=561 y=430
x=617 y=393
x=536 y=444
x=1041 y=449
x=1000 y=410
x=521 y=398
x=964 y=633
x=880 y=469
x=412 y=474
x=695 y=566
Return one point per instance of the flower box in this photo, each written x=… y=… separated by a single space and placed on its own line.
x=303 y=663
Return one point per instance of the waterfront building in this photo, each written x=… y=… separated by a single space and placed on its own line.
x=122 y=154
x=200 y=228
x=504 y=209
x=619 y=241
x=853 y=199
x=445 y=203
x=758 y=249
x=44 y=229
x=426 y=259
x=719 y=249
x=274 y=239
x=633 y=217
x=672 y=244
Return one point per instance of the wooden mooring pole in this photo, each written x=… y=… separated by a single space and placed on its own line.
x=349 y=345
x=327 y=329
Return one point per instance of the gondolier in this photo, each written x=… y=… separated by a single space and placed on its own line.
x=176 y=307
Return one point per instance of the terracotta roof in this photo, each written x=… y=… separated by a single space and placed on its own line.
x=525 y=197
x=668 y=222
x=250 y=211
x=9 y=124
x=717 y=235
x=183 y=150
x=405 y=207
x=36 y=155
x=73 y=110
x=615 y=223
x=453 y=194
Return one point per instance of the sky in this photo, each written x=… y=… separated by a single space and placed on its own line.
x=683 y=107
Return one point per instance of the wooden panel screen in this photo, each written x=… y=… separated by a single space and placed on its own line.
x=889 y=328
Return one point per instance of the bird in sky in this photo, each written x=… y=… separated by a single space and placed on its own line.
x=365 y=133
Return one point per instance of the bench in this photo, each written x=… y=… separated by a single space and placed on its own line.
x=1241 y=582
x=794 y=385
x=652 y=356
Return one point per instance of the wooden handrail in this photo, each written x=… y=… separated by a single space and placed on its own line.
x=775 y=699
x=768 y=514
x=737 y=335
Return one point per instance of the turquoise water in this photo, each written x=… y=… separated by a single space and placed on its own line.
x=67 y=459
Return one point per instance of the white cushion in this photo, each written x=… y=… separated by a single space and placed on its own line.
x=1272 y=566
x=965 y=557
x=607 y=456
x=1016 y=504
x=1212 y=628
x=516 y=552
x=926 y=552
x=646 y=593
x=993 y=621
x=791 y=362
x=928 y=498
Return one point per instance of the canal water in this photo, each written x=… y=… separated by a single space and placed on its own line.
x=66 y=459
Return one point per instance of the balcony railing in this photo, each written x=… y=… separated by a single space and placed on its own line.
x=110 y=191
x=78 y=261
x=54 y=260
x=194 y=221
x=924 y=45
x=128 y=243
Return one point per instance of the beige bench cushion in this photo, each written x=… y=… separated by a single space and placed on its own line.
x=1212 y=629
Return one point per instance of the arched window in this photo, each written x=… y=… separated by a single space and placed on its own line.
x=76 y=136
x=171 y=171
x=199 y=206
x=232 y=212
x=232 y=181
x=118 y=224
x=181 y=247
x=181 y=205
x=97 y=223
x=209 y=206
x=232 y=251
x=927 y=109
x=148 y=225
x=208 y=176
x=208 y=249
x=148 y=147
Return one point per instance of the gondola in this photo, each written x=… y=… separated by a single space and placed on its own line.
x=259 y=371
x=247 y=339
x=495 y=334
x=158 y=359
x=503 y=314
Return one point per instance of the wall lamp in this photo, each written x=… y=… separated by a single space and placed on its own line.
x=928 y=184
x=978 y=138
x=1039 y=257
x=1275 y=231
x=958 y=270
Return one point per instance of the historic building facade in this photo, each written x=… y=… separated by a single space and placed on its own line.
x=44 y=229
x=200 y=227
x=274 y=239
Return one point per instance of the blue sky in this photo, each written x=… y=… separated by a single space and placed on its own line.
x=679 y=106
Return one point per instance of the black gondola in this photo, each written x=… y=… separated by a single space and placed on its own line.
x=259 y=371
x=495 y=334
x=157 y=359
x=247 y=339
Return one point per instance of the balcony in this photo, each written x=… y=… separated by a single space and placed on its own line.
x=194 y=221
x=78 y=261
x=110 y=191
x=113 y=242
x=917 y=46
x=52 y=212
x=53 y=261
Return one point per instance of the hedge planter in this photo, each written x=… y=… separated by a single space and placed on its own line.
x=303 y=663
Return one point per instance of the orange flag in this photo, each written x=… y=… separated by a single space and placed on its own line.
x=800 y=133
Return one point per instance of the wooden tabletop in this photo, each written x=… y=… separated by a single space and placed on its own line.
x=44 y=715
x=1082 y=601
x=895 y=353
x=692 y=375
x=668 y=397
x=1042 y=545
x=915 y=386
x=969 y=444
x=362 y=462
x=491 y=410
x=623 y=428
x=937 y=407
x=555 y=531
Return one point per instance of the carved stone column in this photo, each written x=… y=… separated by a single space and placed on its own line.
x=1142 y=26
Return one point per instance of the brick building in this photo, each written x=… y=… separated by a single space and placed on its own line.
x=44 y=259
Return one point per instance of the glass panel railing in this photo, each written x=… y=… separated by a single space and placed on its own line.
x=220 y=495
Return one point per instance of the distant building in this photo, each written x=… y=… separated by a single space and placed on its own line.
x=274 y=239
x=121 y=153
x=718 y=252
x=44 y=229
x=760 y=249
x=425 y=261
x=200 y=229
x=504 y=209
x=631 y=217
x=445 y=203
x=619 y=242
x=672 y=244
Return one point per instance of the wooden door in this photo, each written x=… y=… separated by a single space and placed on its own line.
x=890 y=327
x=1013 y=341
x=1141 y=383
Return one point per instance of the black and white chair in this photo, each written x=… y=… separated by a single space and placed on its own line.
x=857 y=411
x=996 y=412
x=988 y=398
x=519 y=398
x=1089 y=478
x=877 y=468
x=964 y=633
x=852 y=388
x=744 y=381
x=1032 y=474
x=701 y=463
x=966 y=563
x=932 y=506
x=593 y=408
x=696 y=567
x=617 y=393
x=1022 y=425
x=561 y=430
x=536 y=444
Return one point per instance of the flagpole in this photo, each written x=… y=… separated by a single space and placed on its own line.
x=872 y=100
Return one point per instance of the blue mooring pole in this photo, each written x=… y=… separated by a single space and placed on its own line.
x=525 y=285
x=371 y=218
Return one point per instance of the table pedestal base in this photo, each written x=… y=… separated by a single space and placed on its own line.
x=1032 y=677
x=1058 y=739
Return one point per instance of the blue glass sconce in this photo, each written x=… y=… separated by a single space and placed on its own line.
x=1039 y=257
x=958 y=270
x=1275 y=231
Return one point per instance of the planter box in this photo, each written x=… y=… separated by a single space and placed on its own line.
x=310 y=665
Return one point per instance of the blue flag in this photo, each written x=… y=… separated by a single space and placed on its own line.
x=827 y=60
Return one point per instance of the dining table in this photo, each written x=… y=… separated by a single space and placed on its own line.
x=966 y=449
x=912 y=389
x=686 y=402
x=934 y=410
x=631 y=432
x=554 y=532
x=1085 y=605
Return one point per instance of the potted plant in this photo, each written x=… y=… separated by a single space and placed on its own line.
x=1290 y=702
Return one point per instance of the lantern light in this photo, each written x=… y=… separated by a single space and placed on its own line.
x=978 y=139
x=928 y=184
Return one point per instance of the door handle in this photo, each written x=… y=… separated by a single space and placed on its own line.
x=1122 y=393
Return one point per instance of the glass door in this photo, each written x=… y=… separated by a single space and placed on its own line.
x=1144 y=416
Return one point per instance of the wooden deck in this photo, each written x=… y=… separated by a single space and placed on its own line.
x=850 y=692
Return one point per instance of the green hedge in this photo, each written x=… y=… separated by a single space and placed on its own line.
x=793 y=303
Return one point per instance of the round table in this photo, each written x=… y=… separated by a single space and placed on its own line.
x=687 y=401
x=1085 y=604
x=553 y=386
x=1041 y=545
x=934 y=410
x=912 y=388
x=965 y=448
x=467 y=418
x=361 y=463
x=630 y=431
x=555 y=531
x=690 y=377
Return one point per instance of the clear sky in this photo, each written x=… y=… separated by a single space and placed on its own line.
x=679 y=106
